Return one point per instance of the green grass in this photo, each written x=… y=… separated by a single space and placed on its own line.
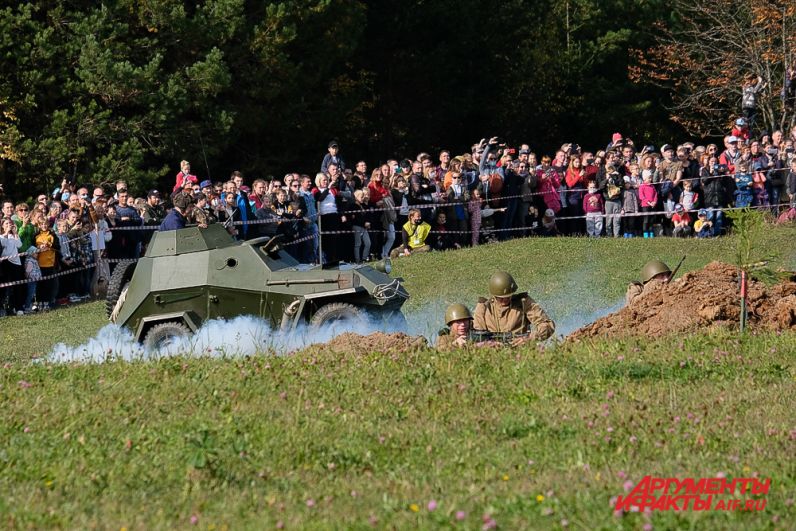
x=245 y=443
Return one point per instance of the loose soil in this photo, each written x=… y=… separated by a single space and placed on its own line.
x=350 y=343
x=706 y=298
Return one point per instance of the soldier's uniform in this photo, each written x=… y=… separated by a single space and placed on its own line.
x=523 y=315
x=447 y=342
x=652 y=281
x=154 y=215
x=201 y=216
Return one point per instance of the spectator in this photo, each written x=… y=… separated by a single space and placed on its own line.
x=332 y=157
x=731 y=155
x=703 y=226
x=790 y=183
x=548 y=227
x=175 y=219
x=99 y=237
x=183 y=177
x=681 y=221
x=360 y=219
x=474 y=207
x=613 y=186
x=48 y=244
x=413 y=234
x=630 y=203
x=548 y=183
x=648 y=197
x=11 y=297
x=330 y=204
x=689 y=198
x=751 y=87
x=594 y=208
x=440 y=238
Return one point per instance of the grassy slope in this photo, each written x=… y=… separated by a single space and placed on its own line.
x=245 y=443
x=572 y=278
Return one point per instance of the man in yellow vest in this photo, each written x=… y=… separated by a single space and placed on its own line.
x=414 y=234
x=509 y=312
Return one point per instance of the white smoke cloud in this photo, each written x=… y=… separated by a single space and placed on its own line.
x=241 y=336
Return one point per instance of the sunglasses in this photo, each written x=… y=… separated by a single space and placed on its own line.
x=22 y=210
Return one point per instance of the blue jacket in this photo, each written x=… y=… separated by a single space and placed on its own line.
x=173 y=221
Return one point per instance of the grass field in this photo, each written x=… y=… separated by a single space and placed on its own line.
x=535 y=438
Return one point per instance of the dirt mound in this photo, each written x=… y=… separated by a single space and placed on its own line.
x=706 y=298
x=350 y=343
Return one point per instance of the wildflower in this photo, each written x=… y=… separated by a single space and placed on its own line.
x=564 y=522
x=194 y=519
x=628 y=485
x=354 y=494
x=609 y=395
x=633 y=439
x=26 y=429
x=647 y=527
x=547 y=511
x=432 y=505
x=372 y=520
x=460 y=515
x=621 y=474
x=414 y=507
x=310 y=502
x=505 y=477
x=620 y=358
x=280 y=524
x=540 y=498
x=24 y=384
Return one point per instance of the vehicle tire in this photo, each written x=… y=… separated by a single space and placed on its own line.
x=162 y=334
x=338 y=313
x=119 y=279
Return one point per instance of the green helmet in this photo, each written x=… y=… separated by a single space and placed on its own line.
x=652 y=268
x=456 y=312
x=501 y=284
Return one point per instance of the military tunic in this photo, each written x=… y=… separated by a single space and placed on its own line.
x=447 y=342
x=637 y=289
x=522 y=316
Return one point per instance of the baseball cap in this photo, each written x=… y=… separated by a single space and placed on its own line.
x=333 y=143
x=740 y=121
x=206 y=184
x=549 y=213
x=616 y=138
x=678 y=207
x=732 y=139
x=153 y=193
x=667 y=147
x=702 y=212
x=525 y=152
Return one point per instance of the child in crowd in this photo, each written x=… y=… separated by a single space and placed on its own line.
x=681 y=221
x=648 y=197
x=474 y=208
x=440 y=239
x=689 y=198
x=630 y=205
x=48 y=244
x=703 y=226
x=594 y=208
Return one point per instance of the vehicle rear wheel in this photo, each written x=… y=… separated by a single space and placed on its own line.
x=338 y=313
x=164 y=334
x=119 y=280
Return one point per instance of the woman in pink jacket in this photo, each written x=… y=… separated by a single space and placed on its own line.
x=548 y=183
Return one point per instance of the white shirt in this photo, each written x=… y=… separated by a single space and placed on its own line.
x=11 y=245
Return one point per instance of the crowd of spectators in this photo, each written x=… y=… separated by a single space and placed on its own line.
x=61 y=249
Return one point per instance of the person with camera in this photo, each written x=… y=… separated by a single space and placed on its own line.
x=11 y=297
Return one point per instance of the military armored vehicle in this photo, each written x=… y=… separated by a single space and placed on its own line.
x=191 y=275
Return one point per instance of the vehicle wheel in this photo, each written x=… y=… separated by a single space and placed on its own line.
x=338 y=313
x=119 y=279
x=163 y=334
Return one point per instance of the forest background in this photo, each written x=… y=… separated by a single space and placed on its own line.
x=126 y=88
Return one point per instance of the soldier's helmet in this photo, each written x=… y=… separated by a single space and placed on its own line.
x=456 y=312
x=652 y=268
x=501 y=284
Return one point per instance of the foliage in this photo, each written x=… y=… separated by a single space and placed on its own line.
x=126 y=89
x=707 y=48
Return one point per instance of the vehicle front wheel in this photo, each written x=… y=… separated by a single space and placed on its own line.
x=164 y=334
x=338 y=314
